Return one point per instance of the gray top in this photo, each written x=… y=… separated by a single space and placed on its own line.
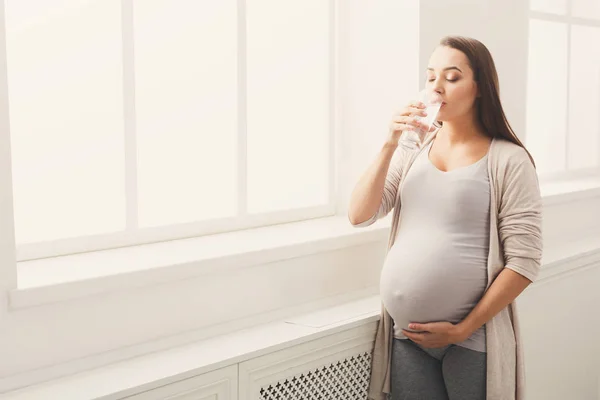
x=437 y=268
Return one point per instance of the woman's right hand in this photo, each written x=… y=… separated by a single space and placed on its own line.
x=405 y=120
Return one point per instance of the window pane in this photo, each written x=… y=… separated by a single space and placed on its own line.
x=586 y=9
x=288 y=104
x=65 y=94
x=584 y=98
x=547 y=94
x=549 y=6
x=186 y=107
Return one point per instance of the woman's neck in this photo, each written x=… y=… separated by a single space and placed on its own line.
x=460 y=131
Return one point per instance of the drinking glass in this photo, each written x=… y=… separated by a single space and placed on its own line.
x=412 y=139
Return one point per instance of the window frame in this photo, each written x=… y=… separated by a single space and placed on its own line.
x=568 y=19
x=133 y=235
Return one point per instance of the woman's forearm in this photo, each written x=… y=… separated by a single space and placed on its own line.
x=503 y=291
x=368 y=192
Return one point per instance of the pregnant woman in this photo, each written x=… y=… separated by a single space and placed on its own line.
x=465 y=240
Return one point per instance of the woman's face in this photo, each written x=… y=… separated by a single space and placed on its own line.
x=450 y=75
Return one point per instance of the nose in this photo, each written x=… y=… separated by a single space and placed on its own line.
x=437 y=87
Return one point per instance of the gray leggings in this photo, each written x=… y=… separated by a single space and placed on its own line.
x=448 y=373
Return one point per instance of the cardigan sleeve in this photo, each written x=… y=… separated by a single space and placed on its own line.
x=390 y=189
x=520 y=217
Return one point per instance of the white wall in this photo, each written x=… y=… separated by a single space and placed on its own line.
x=8 y=277
x=561 y=331
x=379 y=71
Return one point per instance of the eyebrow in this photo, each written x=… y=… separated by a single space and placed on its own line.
x=447 y=68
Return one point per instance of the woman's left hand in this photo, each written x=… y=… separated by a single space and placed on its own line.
x=436 y=334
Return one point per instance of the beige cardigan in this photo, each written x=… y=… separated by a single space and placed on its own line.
x=515 y=243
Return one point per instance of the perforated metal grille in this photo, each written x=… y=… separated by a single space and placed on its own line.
x=347 y=379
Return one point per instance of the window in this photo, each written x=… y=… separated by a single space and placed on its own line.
x=563 y=93
x=136 y=121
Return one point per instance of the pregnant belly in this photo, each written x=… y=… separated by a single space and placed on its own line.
x=428 y=282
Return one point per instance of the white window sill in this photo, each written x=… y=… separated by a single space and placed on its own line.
x=555 y=192
x=69 y=277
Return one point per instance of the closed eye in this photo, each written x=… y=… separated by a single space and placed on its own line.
x=448 y=79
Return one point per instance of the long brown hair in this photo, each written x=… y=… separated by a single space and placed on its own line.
x=489 y=108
